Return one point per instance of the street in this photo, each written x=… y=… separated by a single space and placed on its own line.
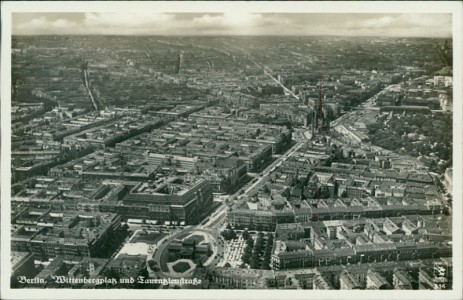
x=275 y=164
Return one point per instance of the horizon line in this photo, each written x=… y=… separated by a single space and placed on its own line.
x=229 y=35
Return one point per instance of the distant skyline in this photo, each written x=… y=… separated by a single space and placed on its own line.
x=437 y=25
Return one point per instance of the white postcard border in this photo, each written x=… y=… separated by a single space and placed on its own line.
x=8 y=8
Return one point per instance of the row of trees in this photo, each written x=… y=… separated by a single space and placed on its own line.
x=257 y=251
x=257 y=254
x=246 y=257
x=267 y=252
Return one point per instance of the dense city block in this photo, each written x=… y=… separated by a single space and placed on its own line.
x=248 y=162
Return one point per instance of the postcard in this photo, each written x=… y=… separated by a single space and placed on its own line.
x=231 y=150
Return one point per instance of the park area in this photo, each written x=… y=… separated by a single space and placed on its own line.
x=247 y=250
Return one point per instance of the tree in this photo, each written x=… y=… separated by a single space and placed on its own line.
x=246 y=257
x=225 y=235
x=151 y=264
x=229 y=234
x=254 y=263
x=245 y=235
x=268 y=252
x=265 y=189
x=250 y=241
x=265 y=263
x=251 y=225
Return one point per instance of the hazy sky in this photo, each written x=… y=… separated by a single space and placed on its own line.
x=236 y=23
